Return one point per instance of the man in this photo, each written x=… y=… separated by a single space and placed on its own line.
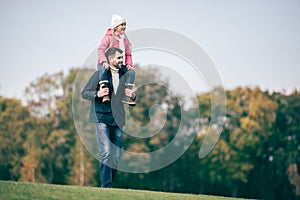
x=109 y=116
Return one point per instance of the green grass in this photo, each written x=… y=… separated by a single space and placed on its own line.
x=20 y=190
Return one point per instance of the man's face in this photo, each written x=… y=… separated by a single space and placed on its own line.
x=117 y=60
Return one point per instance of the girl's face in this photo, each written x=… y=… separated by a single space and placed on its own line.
x=121 y=28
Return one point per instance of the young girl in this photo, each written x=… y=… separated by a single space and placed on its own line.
x=115 y=37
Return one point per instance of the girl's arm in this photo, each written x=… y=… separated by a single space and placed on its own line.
x=102 y=48
x=128 y=56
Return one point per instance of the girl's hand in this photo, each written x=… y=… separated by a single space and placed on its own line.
x=105 y=65
x=129 y=67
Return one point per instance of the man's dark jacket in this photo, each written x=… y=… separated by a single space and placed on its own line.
x=111 y=113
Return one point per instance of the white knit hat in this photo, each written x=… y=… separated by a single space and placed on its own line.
x=116 y=20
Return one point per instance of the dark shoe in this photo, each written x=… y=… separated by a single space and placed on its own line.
x=128 y=100
x=105 y=98
x=104 y=84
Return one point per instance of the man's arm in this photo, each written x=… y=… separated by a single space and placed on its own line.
x=90 y=92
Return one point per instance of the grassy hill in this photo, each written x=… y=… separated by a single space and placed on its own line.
x=19 y=190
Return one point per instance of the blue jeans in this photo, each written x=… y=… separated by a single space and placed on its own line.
x=109 y=140
x=130 y=74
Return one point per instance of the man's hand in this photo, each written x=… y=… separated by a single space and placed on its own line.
x=102 y=92
x=130 y=93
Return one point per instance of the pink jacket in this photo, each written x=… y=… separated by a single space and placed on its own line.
x=105 y=45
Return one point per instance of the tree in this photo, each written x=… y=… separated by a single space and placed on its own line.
x=41 y=95
x=15 y=124
x=256 y=156
x=50 y=100
x=83 y=167
x=282 y=157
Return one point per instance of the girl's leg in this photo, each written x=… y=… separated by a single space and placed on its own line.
x=130 y=74
x=129 y=83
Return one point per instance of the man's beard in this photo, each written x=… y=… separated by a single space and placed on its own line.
x=119 y=65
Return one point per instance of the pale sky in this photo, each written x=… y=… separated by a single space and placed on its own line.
x=251 y=43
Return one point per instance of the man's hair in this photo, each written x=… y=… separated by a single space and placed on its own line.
x=111 y=52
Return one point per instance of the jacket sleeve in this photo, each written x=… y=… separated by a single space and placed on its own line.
x=128 y=56
x=90 y=90
x=102 y=48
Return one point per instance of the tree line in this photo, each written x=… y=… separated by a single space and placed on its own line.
x=256 y=156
